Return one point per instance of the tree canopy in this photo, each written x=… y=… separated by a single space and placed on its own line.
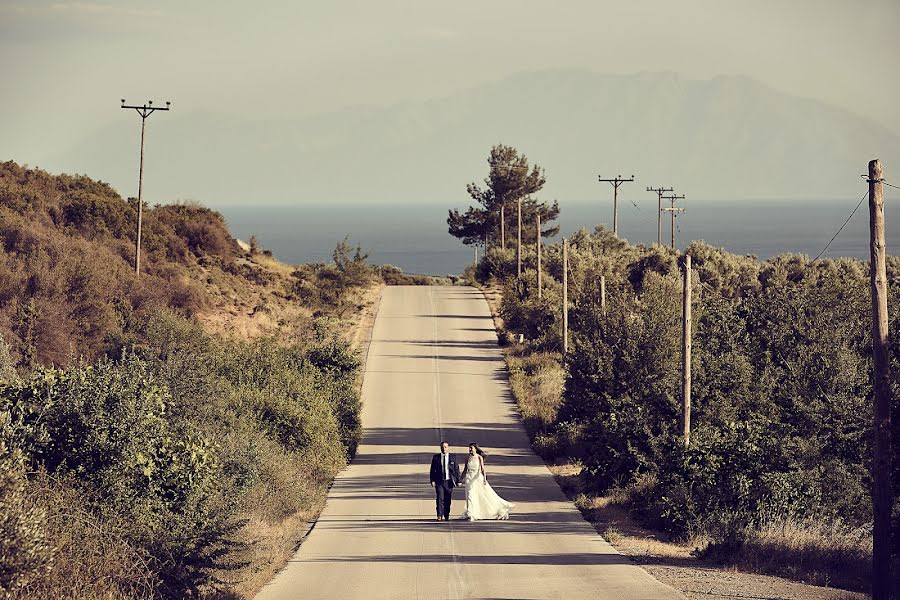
x=509 y=180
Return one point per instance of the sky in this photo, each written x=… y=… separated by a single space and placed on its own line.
x=66 y=64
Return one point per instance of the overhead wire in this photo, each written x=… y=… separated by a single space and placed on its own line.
x=841 y=227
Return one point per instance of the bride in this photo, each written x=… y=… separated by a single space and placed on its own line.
x=482 y=502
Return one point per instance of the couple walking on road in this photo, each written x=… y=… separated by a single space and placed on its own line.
x=482 y=502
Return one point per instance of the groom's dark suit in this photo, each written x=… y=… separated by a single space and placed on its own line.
x=444 y=476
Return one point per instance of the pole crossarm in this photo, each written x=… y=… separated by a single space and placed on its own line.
x=145 y=110
x=673 y=208
x=672 y=199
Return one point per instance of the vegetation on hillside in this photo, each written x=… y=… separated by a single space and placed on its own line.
x=781 y=393
x=143 y=452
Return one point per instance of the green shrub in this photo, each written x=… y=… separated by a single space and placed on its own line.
x=97 y=215
x=203 y=230
x=781 y=387
x=25 y=554
x=105 y=425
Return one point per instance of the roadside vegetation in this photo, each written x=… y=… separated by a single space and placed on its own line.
x=776 y=478
x=168 y=435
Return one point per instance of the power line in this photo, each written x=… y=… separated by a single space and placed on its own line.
x=842 y=227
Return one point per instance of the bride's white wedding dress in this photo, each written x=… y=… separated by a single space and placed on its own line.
x=482 y=502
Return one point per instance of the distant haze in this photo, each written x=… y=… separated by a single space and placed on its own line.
x=358 y=101
x=725 y=138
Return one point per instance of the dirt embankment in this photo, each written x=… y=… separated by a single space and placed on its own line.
x=255 y=299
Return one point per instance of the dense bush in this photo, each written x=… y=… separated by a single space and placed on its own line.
x=105 y=425
x=182 y=439
x=781 y=386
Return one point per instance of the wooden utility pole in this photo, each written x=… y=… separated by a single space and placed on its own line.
x=686 y=353
x=145 y=111
x=519 y=246
x=565 y=296
x=502 y=228
x=659 y=197
x=673 y=210
x=881 y=493
x=616 y=182
x=537 y=246
x=603 y=294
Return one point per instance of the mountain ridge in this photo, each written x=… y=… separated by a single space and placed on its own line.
x=728 y=137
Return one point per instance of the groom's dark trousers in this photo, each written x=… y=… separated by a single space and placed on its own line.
x=444 y=481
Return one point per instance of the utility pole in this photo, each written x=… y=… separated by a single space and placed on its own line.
x=502 y=228
x=145 y=111
x=475 y=263
x=616 y=182
x=881 y=493
x=659 y=196
x=686 y=353
x=673 y=210
x=538 y=248
x=603 y=294
x=519 y=246
x=565 y=296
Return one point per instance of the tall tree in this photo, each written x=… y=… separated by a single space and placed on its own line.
x=509 y=180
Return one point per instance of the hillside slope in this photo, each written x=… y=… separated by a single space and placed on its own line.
x=68 y=289
x=167 y=435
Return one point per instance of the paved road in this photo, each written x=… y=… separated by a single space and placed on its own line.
x=434 y=372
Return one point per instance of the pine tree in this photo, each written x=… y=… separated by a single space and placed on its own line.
x=509 y=180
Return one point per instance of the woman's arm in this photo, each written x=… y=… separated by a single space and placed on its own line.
x=481 y=464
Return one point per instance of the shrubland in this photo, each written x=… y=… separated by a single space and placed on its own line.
x=166 y=435
x=777 y=473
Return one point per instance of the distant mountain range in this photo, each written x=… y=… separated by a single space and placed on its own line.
x=725 y=138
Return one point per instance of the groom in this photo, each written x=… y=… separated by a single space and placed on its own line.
x=444 y=477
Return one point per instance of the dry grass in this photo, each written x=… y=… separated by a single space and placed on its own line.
x=815 y=552
x=821 y=553
x=537 y=381
x=271 y=546
x=357 y=326
x=612 y=518
x=91 y=559
x=247 y=309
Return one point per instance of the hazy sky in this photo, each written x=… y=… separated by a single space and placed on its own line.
x=66 y=64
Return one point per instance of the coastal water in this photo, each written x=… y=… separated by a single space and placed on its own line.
x=415 y=238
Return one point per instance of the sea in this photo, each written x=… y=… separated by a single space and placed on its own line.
x=414 y=237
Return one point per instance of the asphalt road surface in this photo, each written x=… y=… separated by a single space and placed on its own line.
x=435 y=372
